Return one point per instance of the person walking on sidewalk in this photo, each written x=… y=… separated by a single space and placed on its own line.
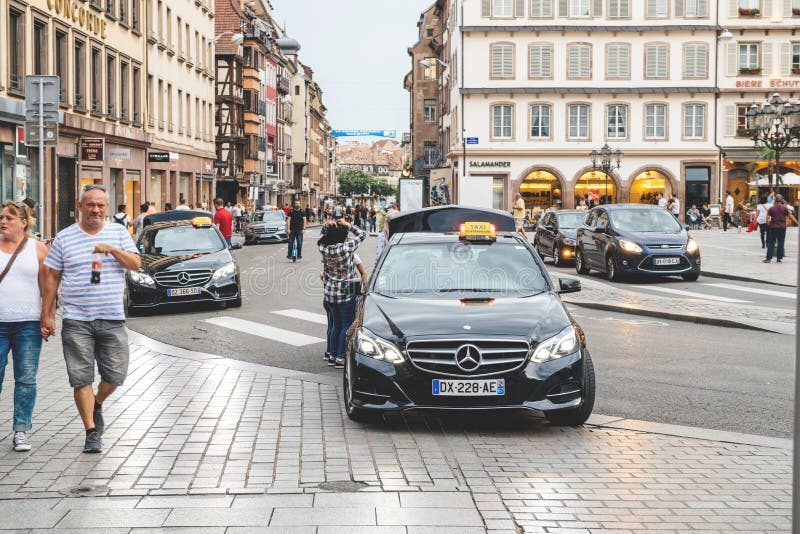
x=727 y=216
x=776 y=220
x=224 y=220
x=761 y=219
x=21 y=278
x=519 y=215
x=88 y=260
x=338 y=276
x=297 y=227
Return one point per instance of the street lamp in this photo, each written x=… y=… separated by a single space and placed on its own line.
x=606 y=160
x=775 y=125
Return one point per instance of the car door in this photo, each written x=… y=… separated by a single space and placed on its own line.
x=546 y=239
x=596 y=256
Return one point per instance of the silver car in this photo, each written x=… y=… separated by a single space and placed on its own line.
x=266 y=226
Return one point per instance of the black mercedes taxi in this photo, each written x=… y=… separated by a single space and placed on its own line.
x=461 y=316
x=183 y=261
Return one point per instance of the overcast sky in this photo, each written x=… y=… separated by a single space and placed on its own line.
x=357 y=49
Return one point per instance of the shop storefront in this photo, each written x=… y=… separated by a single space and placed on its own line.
x=540 y=189
x=595 y=186
x=646 y=187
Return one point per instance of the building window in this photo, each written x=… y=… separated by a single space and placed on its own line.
x=124 y=90
x=111 y=86
x=579 y=8
x=123 y=11
x=135 y=14
x=657 y=9
x=161 y=121
x=137 y=95
x=79 y=75
x=503 y=8
x=498 y=194
x=541 y=61
x=578 y=121
x=748 y=58
x=695 y=62
x=39 y=47
x=695 y=9
x=617 y=122
x=540 y=121
x=62 y=64
x=655 y=121
x=502 y=61
x=796 y=57
x=97 y=81
x=698 y=185
x=694 y=119
x=16 y=51
x=541 y=8
x=656 y=61
x=749 y=4
x=430 y=153
x=430 y=110
x=110 y=7
x=502 y=122
x=580 y=61
x=741 y=121
x=619 y=9
x=619 y=62
x=170 y=123
x=429 y=71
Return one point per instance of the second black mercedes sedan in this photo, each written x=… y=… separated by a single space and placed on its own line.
x=183 y=262
x=555 y=234
x=466 y=320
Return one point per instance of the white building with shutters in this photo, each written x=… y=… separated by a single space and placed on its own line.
x=763 y=57
x=538 y=84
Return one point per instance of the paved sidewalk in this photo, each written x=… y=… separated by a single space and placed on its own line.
x=201 y=442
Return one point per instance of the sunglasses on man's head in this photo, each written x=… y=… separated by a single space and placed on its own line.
x=91 y=187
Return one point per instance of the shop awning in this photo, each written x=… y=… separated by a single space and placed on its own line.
x=786 y=179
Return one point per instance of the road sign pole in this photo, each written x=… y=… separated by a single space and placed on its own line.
x=41 y=158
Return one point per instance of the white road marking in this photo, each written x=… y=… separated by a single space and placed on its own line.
x=267 y=332
x=678 y=292
x=304 y=316
x=765 y=292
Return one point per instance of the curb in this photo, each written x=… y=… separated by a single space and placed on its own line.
x=744 y=279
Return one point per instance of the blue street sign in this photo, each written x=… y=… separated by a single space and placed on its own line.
x=472 y=140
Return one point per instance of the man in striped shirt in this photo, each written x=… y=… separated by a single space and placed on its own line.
x=94 y=316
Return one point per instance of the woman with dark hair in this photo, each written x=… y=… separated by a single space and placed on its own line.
x=339 y=281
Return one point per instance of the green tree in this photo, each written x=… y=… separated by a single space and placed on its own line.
x=354 y=182
x=382 y=187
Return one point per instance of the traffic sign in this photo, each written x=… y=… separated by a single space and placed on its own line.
x=472 y=140
x=32 y=133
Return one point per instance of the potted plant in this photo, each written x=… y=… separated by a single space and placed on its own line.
x=741 y=131
x=750 y=71
x=744 y=12
x=796 y=70
x=796 y=11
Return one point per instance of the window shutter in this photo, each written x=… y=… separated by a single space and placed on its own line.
x=679 y=8
x=733 y=8
x=732 y=66
x=486 y=8
x=547 y=61
x=597 y=8
x=786 y=59
x=563 y=8
x=702 y=8
x=519 y=8
x=766 y=59
x=625 y=61
x=766 y=5
x=787 y=9
x=574 y=61
x=730 y=120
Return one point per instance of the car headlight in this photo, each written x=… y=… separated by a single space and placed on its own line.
x=569 y=242
x=225 y=272
x=282 y=227
x=142 y=279
x=629 y=246
x=692 y=246
x=377 y=348
x=562 y=344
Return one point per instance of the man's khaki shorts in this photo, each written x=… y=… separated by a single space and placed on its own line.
x=85 y=342
x=518 y=224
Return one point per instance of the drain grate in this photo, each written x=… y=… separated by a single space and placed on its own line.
x=343 y=486
x=85 y=491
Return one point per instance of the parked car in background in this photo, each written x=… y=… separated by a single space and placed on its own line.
x=555 y=234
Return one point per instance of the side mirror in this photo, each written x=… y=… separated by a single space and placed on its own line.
x=236 y=246
x=568 y=285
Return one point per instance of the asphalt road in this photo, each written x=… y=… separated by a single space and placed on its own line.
x=649 y=369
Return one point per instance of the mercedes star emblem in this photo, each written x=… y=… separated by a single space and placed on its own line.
x=183 y=278
x=468 y=358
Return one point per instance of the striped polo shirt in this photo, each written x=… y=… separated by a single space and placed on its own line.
x=71 y=253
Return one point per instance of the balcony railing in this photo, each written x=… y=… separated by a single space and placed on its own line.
x=283 y=84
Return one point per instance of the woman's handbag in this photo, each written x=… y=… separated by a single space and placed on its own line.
x=753 y=226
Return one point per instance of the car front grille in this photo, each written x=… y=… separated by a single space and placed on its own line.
x=194 y=277
x=267 y=230
x=497 y=355
x=666 y=246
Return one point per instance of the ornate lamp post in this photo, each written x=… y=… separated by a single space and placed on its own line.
x=775 y=125
x=606 y=160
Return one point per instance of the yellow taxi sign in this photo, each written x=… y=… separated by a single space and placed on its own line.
x=202 y=222
x=477 y=231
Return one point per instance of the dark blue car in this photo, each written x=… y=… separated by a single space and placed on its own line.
x=625 y=239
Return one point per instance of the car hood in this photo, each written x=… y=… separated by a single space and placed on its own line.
x=262 y=224
x=571 y=233
x=656 y=238
x=398 y=319
x=157 y=263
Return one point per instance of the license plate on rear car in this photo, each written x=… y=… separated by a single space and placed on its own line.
x=183 y=292
x=469 y=388
x=666 y=261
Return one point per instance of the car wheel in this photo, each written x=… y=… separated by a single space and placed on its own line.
x=557 y=256
x=691 y=277
x=354 y=413
x=580 y=265
x=236 y=303
x=577 y=416
x=612 y=269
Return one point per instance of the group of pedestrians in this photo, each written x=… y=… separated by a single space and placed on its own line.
x=772 y=217
x=87 y=261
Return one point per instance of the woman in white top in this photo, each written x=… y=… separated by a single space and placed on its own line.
x=761 y=219
x=21 y=275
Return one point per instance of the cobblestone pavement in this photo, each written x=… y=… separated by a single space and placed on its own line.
x=216 y=445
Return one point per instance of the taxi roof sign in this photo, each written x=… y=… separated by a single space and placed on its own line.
x=477 y=231
x=202 y=222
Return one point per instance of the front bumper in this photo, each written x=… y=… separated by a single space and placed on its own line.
x=645 y=263
x=386 y=387
x=140 y=296
x=275 y=237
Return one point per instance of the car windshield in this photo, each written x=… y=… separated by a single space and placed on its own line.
x=645 y=220
x=444 y=269
x=181 y=241
x=268 y=216
x=571 y=220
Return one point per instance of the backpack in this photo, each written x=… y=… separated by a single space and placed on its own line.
x=122 y=222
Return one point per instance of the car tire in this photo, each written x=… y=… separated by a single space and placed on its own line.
x=691 y=277
x=577 y=416
x=354 y=413
x=580 y=263
x=612 y=269
x=236 y=303
x=557 y=256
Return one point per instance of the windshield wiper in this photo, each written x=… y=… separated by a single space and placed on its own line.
x=468 y=290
